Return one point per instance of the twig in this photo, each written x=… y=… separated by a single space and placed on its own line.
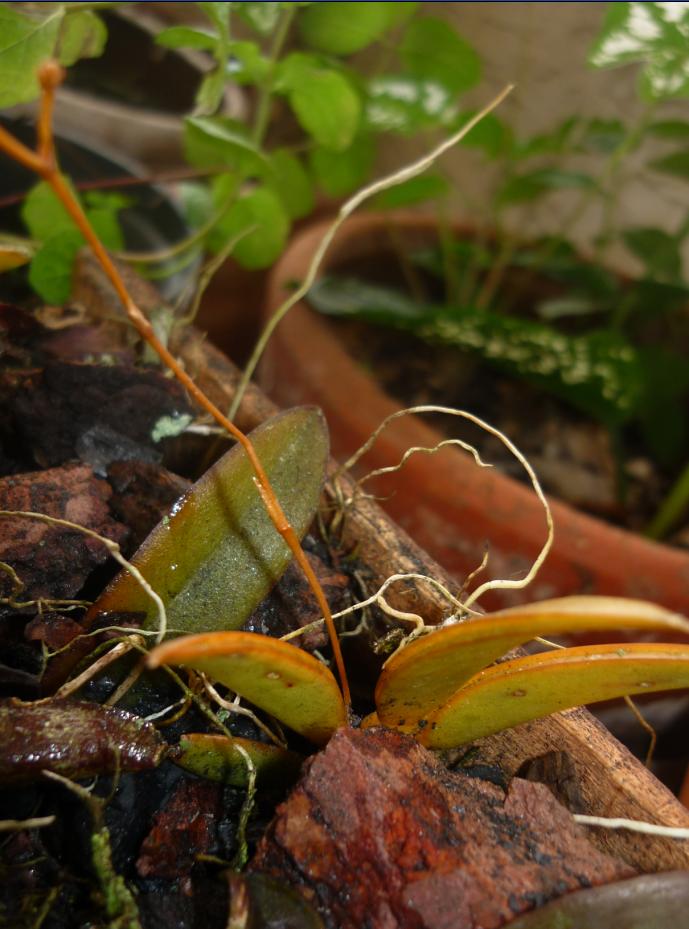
x=634 y=825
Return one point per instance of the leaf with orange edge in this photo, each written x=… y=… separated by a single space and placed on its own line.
x=279 y=678
x=422 y=676
x=216 y=556
x=218 y=758
x=527 y=688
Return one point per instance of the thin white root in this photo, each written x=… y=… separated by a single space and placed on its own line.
x=390 y=469
x=18 y=825
x=117 y=651
x=634 y=825
x=114 y=550
x=384 y=183
x=414 y=618
x=498 y=583
x=234 y=706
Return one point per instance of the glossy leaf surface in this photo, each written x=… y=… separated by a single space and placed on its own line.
x=523 y=689
x=218 y=554
x=645 y=902
x=219 y=759
x=424 y=675
x=277 y=677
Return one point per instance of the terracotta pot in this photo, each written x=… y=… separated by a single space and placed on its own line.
x=448 y=505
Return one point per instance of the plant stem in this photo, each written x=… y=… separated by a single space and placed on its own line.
x=672 y=508
x=43 y=163
x=266 y=87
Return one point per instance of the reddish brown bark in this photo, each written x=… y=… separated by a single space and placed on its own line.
x=380 y=834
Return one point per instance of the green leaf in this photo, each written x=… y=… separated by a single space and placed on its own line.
x=343 y=28
x=349 y=296
x=523 y=689
x=491 y=134
x=262 y=17
x=644 y=902
x=603 y=135
x=247 y=65
x=277 y=677
x=657 y=250
x=669 y=129
x=210 y=141
x=82 y=35
x=400 y=12
x=219 y=15
x=420 y=189
x=324 y=102
x=209 y=94
x=197 y=202
x=555 y=142
x=289 y=180
x=340 y=173
x=51 y=268
x=218 y=758
x=422 y=677
x=218 y=554
x=676 y=164
x=262 y=216
x=431 y=49
x=526 y=187
x=27 y=39
x=407 y=104
x=187 y=37
x=653 y=34
x=43 y=214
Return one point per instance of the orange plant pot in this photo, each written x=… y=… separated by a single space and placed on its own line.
x=445 y=502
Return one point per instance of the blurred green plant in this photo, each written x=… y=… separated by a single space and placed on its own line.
x=612 y=348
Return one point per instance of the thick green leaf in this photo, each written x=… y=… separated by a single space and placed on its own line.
x=82 y=35
x=212 y=141
x=525 y=187
x=218 y=554
x=343 y=28
x=650 y=901
x=289 y=180
x=416 y=190
x=431 y=49
x=277 y=677
x=423 y=676
x=51 y=268
x=523 y=689
x=247 y=65
x=27 y=39
x=324 y=102
x=340 y=173
x=657 y=250
x=260 y=218
x=218 y=758
x=407 y=104
x=187 y=37
x=676 y=164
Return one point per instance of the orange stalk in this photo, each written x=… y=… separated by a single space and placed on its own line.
x=44 y=163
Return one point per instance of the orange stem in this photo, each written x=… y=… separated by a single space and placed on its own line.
x=44 y=163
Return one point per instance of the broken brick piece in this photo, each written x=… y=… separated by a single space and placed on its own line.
x=379 y=834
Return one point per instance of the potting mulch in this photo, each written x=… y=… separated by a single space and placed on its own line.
x=378 y=832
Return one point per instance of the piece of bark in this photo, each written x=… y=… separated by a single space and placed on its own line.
x=143 y=493
x=74 y=738
x=54 y=561
x=182 y=830
x=380 y=834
